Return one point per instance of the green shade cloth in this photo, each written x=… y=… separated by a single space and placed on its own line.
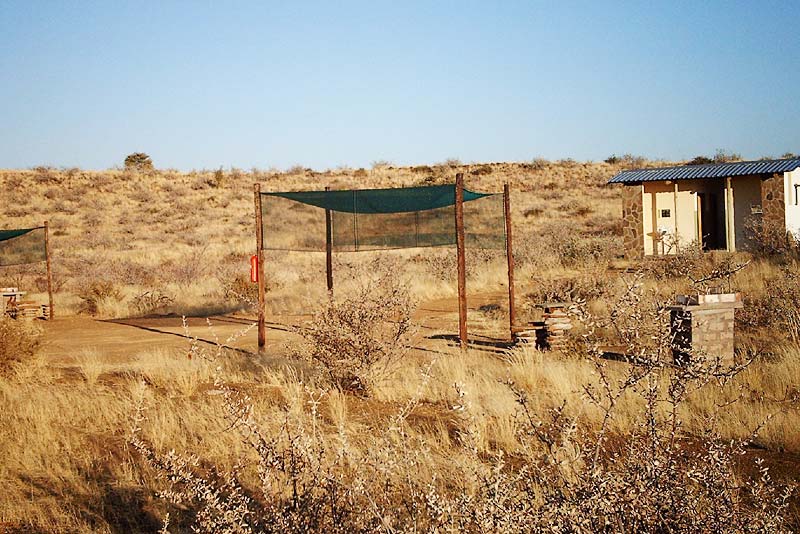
x=18 y=247
x=398 y=200
x=11 y=234
x=380 y=219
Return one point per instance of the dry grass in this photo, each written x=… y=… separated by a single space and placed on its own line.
x=187 y=235
x=449 y=441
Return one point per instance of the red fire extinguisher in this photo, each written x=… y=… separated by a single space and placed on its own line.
x=254 y=268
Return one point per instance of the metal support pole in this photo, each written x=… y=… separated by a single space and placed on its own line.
x=462 y=269
x=329 y=248
x=262 y=333
x=512 y=312
x=52 y=313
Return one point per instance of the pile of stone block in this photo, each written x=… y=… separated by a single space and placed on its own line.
x=551 y=331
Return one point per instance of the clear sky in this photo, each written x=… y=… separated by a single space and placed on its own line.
x=272 y=84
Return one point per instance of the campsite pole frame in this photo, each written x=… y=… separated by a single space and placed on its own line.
x=52 y=310
x=262 y=333
x=329 y=248
x=512 y=311
x=461 y=262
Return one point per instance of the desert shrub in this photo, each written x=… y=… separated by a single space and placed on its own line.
x=296 y=169
x=440 y=265
x=152 y=301
x=778 y=309
x=359 y=339
x=189 y=269
x=627 y=160
x=672 y=266
x=47 y=174
x=533 y=212
x=481 y=170
x=700 y=160
x=219 y=178
x=567 y=474
x=725 y=156
x=94 y=293
x=381 y=164
x=238 y=287
x=574 y=249
x=19 y=340
x=451 y=162
x=586 y=286
x=769 y=238
x=138 y=161
x=539 y=164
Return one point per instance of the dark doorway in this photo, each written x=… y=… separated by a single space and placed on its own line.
x=712 y=222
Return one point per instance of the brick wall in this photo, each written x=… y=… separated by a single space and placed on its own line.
x=704 y=328
x=632 y=222
x=712 y=333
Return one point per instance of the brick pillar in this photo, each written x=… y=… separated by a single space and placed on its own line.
x=704 y=323
x=773 y=202
x=632 y=222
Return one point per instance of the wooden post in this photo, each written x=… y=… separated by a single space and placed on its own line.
x=730 y=229
x=52 y=311
x=512 y=312
x=329 y=248
x=262 y=333
x=462 y=268
x=676 y=241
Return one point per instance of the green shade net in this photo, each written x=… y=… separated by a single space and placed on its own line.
x=22 y=246
x=379 y=219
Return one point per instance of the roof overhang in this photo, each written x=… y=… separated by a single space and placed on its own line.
x=717 y=170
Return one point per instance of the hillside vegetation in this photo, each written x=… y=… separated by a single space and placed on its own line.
x=378 y=424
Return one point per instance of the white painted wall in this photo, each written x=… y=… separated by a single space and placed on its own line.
x=790 y=179
x=682 y=220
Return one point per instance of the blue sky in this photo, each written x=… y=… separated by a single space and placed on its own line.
x=324 y=84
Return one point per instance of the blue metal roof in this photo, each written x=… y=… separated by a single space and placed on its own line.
x=714 y=170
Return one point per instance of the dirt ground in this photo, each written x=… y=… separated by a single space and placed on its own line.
x=121 y=340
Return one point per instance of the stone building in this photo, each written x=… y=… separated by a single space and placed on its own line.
x=716 y=206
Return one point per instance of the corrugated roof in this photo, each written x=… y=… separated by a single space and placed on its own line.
x=714 y=170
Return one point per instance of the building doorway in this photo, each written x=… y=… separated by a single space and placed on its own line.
x=712 y=221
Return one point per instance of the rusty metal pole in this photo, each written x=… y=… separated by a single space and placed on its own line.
x=262 y=333
x=462 y=269
x=52 y=312
x=512 y=311
x=329 y=248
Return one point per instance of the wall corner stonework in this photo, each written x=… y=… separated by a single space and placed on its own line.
x=773 y=202
x=632 y=222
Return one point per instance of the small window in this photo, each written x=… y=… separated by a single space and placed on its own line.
x=665 y=214
x=797 y=194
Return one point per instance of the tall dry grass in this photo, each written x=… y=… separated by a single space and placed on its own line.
x=448 y=441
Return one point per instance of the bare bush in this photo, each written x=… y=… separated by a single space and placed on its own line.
x=586 y=286
x=19 y=340
x=567 y=476
x=769 y=238
x=778 y=309
x=95 y=292
x=152 y=301
x=359 y=339
x=138 y=161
